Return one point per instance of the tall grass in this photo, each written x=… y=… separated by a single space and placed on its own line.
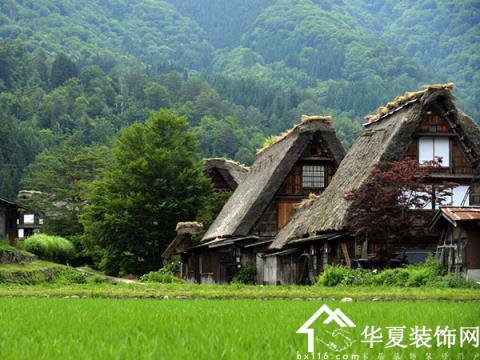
x=53 y=248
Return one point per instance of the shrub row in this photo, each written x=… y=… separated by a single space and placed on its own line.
x=59 y=275
x=428 y=274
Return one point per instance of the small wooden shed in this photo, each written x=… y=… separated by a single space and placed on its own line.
x=8 y=219
x=459 y=246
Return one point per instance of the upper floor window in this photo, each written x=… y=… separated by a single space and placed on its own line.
x=313 y=176
x=432 y=148
x=28 y=219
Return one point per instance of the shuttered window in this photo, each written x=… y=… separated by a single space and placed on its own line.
x=313 y=176
x=431 y=148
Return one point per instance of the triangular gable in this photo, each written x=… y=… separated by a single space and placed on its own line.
x=249 y=201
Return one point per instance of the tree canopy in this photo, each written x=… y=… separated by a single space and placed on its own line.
x=154 y=180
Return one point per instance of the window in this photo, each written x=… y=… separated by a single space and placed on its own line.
x=424 y=204
x=28 y=219
x=313 y=176
x=459 y=193
x=40 y=221
x=431 y=148
x=20 y=234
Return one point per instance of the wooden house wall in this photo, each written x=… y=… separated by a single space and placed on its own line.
x=472 y=250
x=8 y=221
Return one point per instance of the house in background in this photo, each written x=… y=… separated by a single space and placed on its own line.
x=184 y=239
x=8 y=219
x=225 y=174
x=28 y=222
x=459 y=246
x=285 y=173
x=422 y=126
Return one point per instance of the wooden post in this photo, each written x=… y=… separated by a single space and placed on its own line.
x=344 y=247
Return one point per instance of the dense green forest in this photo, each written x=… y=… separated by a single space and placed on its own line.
x=239 y=70
x=73 y=74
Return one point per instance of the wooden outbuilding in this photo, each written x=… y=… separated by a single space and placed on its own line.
x=422 y=125
x=459 y=246
x=297 y=164
x=8 y=219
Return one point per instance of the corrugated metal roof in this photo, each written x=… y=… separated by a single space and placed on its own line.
x=459 y=214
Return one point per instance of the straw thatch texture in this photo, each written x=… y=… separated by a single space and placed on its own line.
x=233 y=172
x=386 y=139
x=254 y=194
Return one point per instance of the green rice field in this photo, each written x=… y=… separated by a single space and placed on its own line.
x=95 y=328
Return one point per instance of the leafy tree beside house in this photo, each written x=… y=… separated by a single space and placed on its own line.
x=381 y=208
x=155 y=180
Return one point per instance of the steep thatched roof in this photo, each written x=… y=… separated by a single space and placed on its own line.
x=267 y=174
x=184 y=230
x=386 y=137
x=232 y=171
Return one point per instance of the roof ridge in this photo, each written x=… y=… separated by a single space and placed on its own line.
x=400 y=101
x=226 y=160
x=304 y=120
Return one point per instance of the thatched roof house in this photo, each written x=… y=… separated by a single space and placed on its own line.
x=226 y=174
x=185 y=231
x=271 y=167
x=387 y=136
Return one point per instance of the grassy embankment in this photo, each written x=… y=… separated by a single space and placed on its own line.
x=45 y=279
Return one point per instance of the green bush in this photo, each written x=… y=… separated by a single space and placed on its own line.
x=160 y=277
x=342 y=275
x=245 y=276
x=68 y=276
x=333 y=275
x=53 y=248
x=95 y=279
x=429 y=273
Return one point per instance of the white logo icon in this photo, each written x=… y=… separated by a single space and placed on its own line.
x=337 y=316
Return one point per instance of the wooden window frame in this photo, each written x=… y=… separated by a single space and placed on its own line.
x=315 y=176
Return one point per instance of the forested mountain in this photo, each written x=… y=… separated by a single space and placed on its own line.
x=239 y=70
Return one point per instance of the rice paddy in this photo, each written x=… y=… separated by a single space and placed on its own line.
x=94 y=328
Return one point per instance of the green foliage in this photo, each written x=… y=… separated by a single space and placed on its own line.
x=342 y=275
x=61 y=175
x=169 y=273
x=213 y=205
x=246 y=275
x=66 y=276
x=428 y=274
x=62 y=70
x=155 y=180
x=53 y=248
x=40 y=273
